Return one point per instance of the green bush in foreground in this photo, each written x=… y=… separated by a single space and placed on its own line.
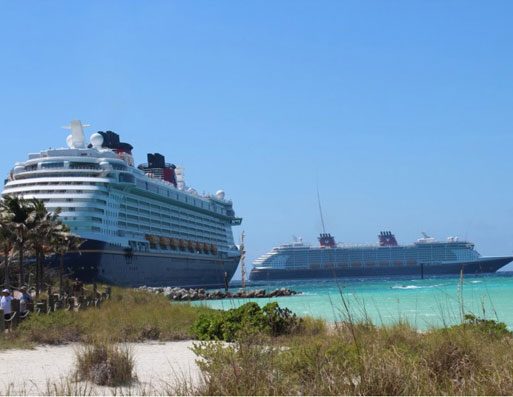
x=250 y=318
x=488 y=327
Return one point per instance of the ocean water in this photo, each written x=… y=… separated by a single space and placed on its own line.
x=424 y=303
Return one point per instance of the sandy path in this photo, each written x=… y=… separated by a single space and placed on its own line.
x=159 y=366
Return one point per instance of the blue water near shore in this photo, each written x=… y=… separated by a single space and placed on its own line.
x=424 y=303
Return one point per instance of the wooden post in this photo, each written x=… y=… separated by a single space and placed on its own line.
x=15 y=308
x=57 y=302
x=71 y=303
x=225 y=281
x=51 y=302
x=81 y=303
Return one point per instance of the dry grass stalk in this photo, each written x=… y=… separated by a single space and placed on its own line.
x=105 y=364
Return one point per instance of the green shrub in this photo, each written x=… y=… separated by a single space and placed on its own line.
x=250 y=318
x=53 y=328
x=489 y=327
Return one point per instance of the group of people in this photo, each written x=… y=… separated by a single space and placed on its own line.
x=6 y=301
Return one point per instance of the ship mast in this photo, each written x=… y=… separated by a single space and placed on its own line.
x=242 y=260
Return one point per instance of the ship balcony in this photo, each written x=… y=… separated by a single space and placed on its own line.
x=71 y=188
x=78 y=171
x=236 y=221
x=55 y=180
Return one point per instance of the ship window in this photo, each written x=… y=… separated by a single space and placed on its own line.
x=83 y=166
x=126 y=178
x=58 y=164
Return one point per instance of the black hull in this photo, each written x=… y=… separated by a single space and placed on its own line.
x=99 y=261
x=480 y=266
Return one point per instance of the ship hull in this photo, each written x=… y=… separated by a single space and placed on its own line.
x=99 y=261
x=479 y=266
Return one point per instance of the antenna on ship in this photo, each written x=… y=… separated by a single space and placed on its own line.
x=242 y=260
x=76 y=139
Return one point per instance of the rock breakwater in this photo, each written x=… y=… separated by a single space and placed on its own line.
x=193 y=294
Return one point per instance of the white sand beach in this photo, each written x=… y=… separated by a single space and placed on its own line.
x=159 y=368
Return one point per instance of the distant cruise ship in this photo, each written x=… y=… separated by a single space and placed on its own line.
x=387 y=258
x=141 y=225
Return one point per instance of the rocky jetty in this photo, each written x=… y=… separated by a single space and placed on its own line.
x=192 y=294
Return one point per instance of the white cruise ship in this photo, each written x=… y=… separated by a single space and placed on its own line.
x=425 y=257
x=141 y=225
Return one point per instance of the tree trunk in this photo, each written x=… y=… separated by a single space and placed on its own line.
x=22 y=273
x=61 y=274
x=41 y=270
x=7 y=281
x=38 y=286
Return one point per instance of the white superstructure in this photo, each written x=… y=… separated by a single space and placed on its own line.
x=103 y=197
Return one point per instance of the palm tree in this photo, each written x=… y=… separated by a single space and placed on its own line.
x=63 y=242
x=44 y=225
x=28 y=224
x=7 y=239
x=19 y=210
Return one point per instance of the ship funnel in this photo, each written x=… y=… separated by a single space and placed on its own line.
x=387 y=239
x=326 y=240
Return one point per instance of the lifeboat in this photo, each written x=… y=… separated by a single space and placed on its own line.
x=164 y=241
x=182 y=244
x=213 y=248
x=173 y=243
x=206 y=248
x=198 y=246
x=154 y=240
x=190 y=245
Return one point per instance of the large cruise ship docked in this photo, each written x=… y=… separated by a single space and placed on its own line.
x=387 y=258
x=141 y=225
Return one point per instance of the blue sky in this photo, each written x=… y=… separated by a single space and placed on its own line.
x=401 y=110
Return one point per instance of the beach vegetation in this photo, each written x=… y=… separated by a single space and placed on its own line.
x=489 y=327
x=270 y=351
x=474 y=358
x=129 y=316
x=105 y=364
x=249 y=318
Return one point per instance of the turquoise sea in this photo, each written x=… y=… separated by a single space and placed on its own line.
x=424 y=303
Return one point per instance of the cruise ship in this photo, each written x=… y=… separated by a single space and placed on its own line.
x=140 y=225
x=425 y=257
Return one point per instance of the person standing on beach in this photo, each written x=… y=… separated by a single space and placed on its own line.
x=5 y=302
x=25 y=299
